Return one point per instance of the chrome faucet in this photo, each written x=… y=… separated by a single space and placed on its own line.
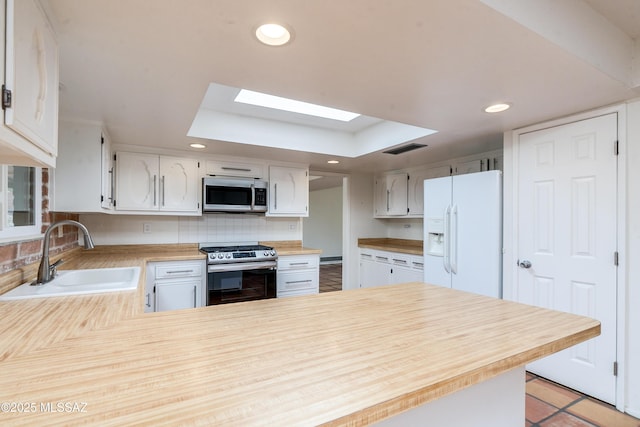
x=47 y=272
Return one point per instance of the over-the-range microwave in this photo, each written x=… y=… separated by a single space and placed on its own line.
x=229 y=194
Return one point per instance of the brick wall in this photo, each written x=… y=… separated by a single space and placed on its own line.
x=17 y=254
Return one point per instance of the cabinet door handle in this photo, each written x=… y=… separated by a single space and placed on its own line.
x=113 y=178
x=275 y=196
x=155 y=203
x=388 y=194
x=148 y=299
x=195 y=296
x=162 y=186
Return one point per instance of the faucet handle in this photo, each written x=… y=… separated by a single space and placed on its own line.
x=53 y=268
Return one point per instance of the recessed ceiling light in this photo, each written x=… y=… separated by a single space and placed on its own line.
x=286 y=104
x=333 y=162
x=196 y=145
x=273 y=34
x=497 y=108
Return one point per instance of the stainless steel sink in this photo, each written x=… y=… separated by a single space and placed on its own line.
x=76 y=282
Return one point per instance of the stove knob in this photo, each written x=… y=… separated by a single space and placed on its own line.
x=219 y=256
x=266 y=253
x=227 y=256
x=273 y=253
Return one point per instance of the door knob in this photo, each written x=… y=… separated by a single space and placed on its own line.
x=525 y=264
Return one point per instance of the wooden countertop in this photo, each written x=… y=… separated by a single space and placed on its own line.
x=338 y=358
x=28 y=325
x=405 y=246
x=291 y=247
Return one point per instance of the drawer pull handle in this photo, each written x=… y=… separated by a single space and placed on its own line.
x=298 y=281
x=228 y=168
x=179 y=271
x=299 y=263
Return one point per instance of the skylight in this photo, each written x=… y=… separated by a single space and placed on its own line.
x=279 y=103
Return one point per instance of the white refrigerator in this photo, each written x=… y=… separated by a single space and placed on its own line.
x=463 y=232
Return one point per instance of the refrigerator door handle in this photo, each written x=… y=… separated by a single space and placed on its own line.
x=453 y=244
x=445 y=249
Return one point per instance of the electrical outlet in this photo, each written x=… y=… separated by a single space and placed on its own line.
x=146 y=227
x=60 y=231
x=407 y=226
x=292 y=226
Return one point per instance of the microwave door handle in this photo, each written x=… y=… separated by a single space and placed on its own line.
x=253 y=196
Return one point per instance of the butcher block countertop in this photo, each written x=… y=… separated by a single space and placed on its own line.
x=291 y=247
x=340 y=358
x=32 y=324
x=405 y=246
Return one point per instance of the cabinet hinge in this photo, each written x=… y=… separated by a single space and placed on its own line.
x=154 y=289
x=615 y=369
x=114 y=203
x=6 y=98
x=101 y=198
x=101 y=140
x=198 y=165
x=616 y=148
x=407 y=210
x=450 y=170
x=615 y=258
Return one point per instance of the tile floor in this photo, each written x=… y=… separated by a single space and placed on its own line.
x=330 y=277
x=551 y=405
x=547 y=404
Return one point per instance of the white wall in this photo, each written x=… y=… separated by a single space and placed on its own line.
x=631 y=261
x=210 y=228
x=407 y=228
x=323 y=227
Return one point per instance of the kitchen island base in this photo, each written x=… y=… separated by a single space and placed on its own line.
x=498 y=402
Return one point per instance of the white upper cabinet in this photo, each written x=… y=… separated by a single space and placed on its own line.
x=391 y=194
x=83 y=177
x=415 y=200
x=148 y=182
x=231 y=168
x=178 y=184
x=288 y=191
x=29 y=134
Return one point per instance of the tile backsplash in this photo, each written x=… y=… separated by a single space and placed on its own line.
x=146 y=229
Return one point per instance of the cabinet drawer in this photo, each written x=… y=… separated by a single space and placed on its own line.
x=298 y=281
x=297 y=262
x=179 y=270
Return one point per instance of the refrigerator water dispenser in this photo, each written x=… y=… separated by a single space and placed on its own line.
x=435 y=236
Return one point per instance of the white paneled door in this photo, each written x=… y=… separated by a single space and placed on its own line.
x=567 y=197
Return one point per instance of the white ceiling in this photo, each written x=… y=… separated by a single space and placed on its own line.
x=142 y=66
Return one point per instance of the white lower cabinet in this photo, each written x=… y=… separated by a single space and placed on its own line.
x=174 y=285
x=379 y=268
x=298 y=275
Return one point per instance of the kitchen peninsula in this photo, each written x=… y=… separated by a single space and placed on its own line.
x=341 y=358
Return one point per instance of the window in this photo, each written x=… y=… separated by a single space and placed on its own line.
x=20 y=202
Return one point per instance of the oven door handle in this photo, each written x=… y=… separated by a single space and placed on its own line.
x=268 y=265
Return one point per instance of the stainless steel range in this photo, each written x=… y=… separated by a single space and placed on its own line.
x=240 y=272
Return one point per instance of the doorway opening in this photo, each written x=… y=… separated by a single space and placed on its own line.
x=323 y=228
